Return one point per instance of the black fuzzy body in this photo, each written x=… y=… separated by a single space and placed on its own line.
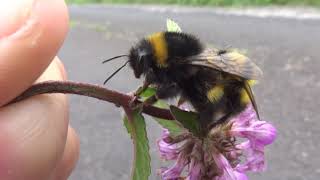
x=191 y=82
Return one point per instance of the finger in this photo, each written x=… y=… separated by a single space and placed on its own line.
x=62 y=68
x=70 y=157
x=33 y=133
x=57 y=72
x=31 y=32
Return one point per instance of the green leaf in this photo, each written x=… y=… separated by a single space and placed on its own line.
x=173 y=26
x=174 y=127
x=150 y=91
x=136 y=127
x=189 y=120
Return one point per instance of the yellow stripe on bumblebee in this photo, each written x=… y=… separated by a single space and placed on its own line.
x=160 y=48
x=245 y=99
x=215 y=93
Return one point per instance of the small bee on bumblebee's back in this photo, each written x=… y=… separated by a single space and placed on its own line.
x=216 y=83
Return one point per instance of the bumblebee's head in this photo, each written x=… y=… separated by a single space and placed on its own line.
x=141 y=57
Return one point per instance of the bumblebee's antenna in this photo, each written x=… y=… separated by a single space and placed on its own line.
x=114 y=73
x=116 y=57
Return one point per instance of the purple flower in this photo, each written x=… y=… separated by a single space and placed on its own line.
x=229 y=173
x=175 y=171
x=247 y=125
x=194 y=170
x=258 y=132
x=254 y=158
x=223 y=164
x=218 y=156
x=167 y=151
x=240 y=176
x=245 y=117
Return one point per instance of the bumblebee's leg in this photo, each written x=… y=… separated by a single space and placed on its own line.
x=149 y=79
x=167 y=91
x=221 y=120
x=148 y=102
x=139 y=106
x=133 y=103
x=205 y=118
x=141 y=88
x=162 y=92
x=212 y=116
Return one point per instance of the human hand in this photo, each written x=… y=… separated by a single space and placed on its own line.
x=36 y=142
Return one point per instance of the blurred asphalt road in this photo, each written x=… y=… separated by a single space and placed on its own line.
x=288 y=51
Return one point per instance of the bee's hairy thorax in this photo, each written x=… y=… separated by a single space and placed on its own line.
x=170 y=48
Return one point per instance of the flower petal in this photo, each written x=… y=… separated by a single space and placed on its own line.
x=175 y=171
x=254 y=158
x=259 y=132
x=225 y=167
x=240 y=176
x=264 y=133
x=245 y=117
x=194 y=170
x=167 y=151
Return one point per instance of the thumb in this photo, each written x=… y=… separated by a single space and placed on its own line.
x=31 y=33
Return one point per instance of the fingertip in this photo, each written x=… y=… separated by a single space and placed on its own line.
x=25 y=53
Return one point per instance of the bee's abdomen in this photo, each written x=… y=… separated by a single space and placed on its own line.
x=215 y=93
x=223 y=102
x=235 y=98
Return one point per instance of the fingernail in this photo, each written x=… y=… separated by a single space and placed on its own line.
x=13 y=14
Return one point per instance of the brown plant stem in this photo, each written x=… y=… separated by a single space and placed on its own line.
x=90 y=90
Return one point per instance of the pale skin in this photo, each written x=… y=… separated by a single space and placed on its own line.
x=36 y=140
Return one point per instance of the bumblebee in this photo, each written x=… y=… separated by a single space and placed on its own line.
x=216 y=82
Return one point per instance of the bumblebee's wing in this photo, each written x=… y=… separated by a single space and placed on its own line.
x=251 y=97
x=231 y=62
x=227 y=61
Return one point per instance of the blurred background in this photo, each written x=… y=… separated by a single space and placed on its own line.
x=208 y=2
x=281 y=36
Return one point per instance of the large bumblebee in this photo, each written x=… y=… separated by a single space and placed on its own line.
x=216 y=82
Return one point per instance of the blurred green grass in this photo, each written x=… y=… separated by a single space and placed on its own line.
x=207 y=2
